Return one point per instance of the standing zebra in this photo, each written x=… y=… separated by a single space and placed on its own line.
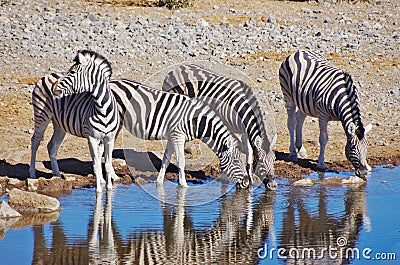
x=153 y=114
x=147 y=113
x=92 y=115
x=235 y=103
x=316 y=88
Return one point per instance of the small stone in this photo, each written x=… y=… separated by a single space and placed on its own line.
x=32 y=184
x=7 y=212
x=141 y=181
x=92 y=17
x=32 y=202
x=117 y=162
x=353 y=180
x=367 y=65
x=271 y=20
x=307 y=182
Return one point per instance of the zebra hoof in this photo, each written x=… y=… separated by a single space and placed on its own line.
x=302 y=153
x=115 y=178
x=322 y=168
x=293 y=158
x=102 y=181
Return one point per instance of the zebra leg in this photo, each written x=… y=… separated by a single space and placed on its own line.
x=52 y=148
x=108 y=149
x=323 y=140
x=291 y=124
x=249 y=156
x=165 y=162
x=179 y=146
x=95 y=151
x=35 y=142
x=300 y=117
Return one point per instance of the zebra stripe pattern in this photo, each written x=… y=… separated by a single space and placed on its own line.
x=235 y=103
x=153 y=114
x=92 y=114
x=313 y=87
x=146 y=113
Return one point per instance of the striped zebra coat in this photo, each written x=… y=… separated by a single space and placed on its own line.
x=93 y=115
x=149 y=114
x=235 y=103
x=313 y=87
x=153 y=114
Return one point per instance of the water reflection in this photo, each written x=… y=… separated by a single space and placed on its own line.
x=234 y=238
x=130 y=226
x=313 y=235
x=241 y=227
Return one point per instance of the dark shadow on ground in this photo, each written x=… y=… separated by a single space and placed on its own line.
x=19 y=171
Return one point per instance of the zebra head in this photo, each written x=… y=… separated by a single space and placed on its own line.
x=264 y=166
x=232 y=164
x=356 y=148
x=90 y=71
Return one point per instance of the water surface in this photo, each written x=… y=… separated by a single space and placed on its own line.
x=219 y=225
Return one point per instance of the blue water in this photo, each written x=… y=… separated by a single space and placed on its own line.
x=214 y=223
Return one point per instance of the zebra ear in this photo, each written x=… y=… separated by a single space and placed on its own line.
x=351 y=129
x=82 y=59
x=273 y=141
x=368 y=127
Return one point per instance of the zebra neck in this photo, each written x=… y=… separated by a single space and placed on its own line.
x=102 y=97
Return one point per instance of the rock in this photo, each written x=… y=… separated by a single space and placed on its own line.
x=117 y=162
x=306 y=182
x=32 y=184
x=27 y=202
x=54 y=186
x=353 y=180
x=7 y=212
x=16 y=183
x=271 y=20
x=141 y=181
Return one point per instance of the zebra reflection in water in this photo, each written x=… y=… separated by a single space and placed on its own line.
x=234 y=238
x=318 y=236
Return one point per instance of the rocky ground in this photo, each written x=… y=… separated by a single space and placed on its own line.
x=37 y=37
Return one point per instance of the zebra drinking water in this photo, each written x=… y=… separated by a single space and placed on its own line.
x=235 y=103
x=314 y=87
x=153 y=114
x=92 y=115
x=146 y=113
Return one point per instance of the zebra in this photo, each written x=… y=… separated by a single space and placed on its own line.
x=235 y=103
x=93 y=115
x=136 y=104
x=152 y=114
x=313 y=87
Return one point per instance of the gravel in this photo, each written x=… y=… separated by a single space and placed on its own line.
x=38 y=37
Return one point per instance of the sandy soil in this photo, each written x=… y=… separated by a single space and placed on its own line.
x=379 y=104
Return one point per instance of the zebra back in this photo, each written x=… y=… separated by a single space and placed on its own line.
x=236 y=102
x=42 y=98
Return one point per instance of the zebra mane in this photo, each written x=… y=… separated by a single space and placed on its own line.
x=352 y=93
x=95 y=56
